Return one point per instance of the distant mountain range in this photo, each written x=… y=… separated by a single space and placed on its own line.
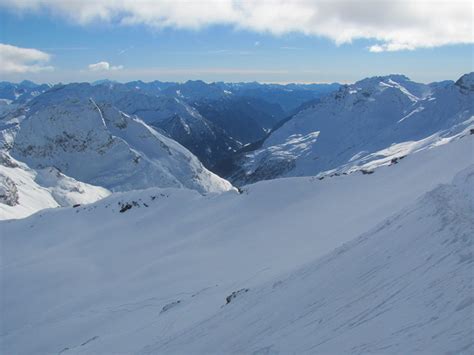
x=75 y=143
x=373 y=122
x=212 y=120
x=21 y=92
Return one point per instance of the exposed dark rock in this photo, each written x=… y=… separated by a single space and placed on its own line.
x=8 y=191
x=234 y=294
x=125 y=207
x=170 y=305
x=5 y=160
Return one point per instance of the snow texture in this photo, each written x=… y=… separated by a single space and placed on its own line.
x=377 y=263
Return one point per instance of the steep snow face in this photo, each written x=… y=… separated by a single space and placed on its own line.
x=152 y=109
x=171 y=271
x=24 y=191
x=205 y=139
x=103 y=146
x=182 y=123
x=172 y=116
x=359 y=124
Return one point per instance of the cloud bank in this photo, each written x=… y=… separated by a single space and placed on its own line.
x=103 y=66
x=14 y=60
x=392 y=24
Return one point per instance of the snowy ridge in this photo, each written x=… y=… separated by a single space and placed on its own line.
x=53 y=154
x=358 y=124
x=105 y=147
x=155 y=270
x=170 y=115
x=24 y=191
x=368 y=163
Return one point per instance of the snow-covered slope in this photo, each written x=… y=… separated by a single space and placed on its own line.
x=172 y=271
x=102 y=146
x=21 y=92
x=24 y=191
x=376 y=119
x=171 y=115
x=404 y=287
x=183 y=123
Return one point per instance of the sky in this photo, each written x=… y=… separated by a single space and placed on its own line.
x=232 y=40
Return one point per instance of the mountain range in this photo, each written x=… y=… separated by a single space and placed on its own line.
x=94 y=144
x=120 y=137
x=221 y=218
x=373 y=122
x=212 y=120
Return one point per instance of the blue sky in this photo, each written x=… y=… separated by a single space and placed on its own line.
x=212 y=52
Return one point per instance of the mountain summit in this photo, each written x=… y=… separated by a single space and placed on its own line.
x=103 y=146
x=361 y=126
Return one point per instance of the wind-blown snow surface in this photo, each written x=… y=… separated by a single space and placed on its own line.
x=373 y=121
x=404 y=287
x=153 y=271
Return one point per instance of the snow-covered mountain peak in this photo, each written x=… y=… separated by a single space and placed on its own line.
x=98 y=144
x=466 y=82
x=364 y=122
x=375 y=80
x=395 y=82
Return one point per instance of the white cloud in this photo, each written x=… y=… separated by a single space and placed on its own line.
x=392 y=24
x=14 y=60
x=390 y=47
x=103 y=66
